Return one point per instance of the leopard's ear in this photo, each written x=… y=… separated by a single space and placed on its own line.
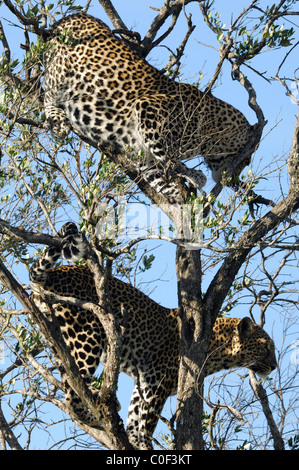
x=245 y=327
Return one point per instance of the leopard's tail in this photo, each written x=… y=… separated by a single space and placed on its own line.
x=73 y=248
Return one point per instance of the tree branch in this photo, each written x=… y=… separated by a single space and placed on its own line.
x=261 y=394
x=5 y=44
x=293 y=162
x=28 y=236
x=7 y=434
x=113 y=15
x=25 y=20
x=221 y=283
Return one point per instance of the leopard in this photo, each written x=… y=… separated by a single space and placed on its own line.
x=150 y=344
x=100 y=88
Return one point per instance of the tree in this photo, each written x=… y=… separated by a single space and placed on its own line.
x=249 y=241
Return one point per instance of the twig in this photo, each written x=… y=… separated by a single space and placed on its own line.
x=215 y=409
x=5 y=44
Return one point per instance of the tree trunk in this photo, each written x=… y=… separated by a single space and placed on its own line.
x=195 y=337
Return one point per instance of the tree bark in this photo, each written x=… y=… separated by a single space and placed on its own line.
x=194 y=346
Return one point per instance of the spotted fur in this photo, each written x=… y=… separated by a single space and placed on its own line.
x=150 y=353
x=96 y=85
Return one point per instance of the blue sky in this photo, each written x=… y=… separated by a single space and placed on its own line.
x=279 y=110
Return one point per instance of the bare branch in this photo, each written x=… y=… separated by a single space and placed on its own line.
x=7 y=435
x=180 y=50
x=27 y=236
x=262 y=396
x=113 y=15
x=221 y=283
x=215 y=409
x=5 y=44
x=252 y=101
x=26 y=121
x=172 y=9
x=167 y=10
x=293 y=162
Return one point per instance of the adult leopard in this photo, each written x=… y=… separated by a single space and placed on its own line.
x=150 y=353
x=96 y=85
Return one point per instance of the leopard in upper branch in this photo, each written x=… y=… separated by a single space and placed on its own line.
x=96 y=85
x=150 y=350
